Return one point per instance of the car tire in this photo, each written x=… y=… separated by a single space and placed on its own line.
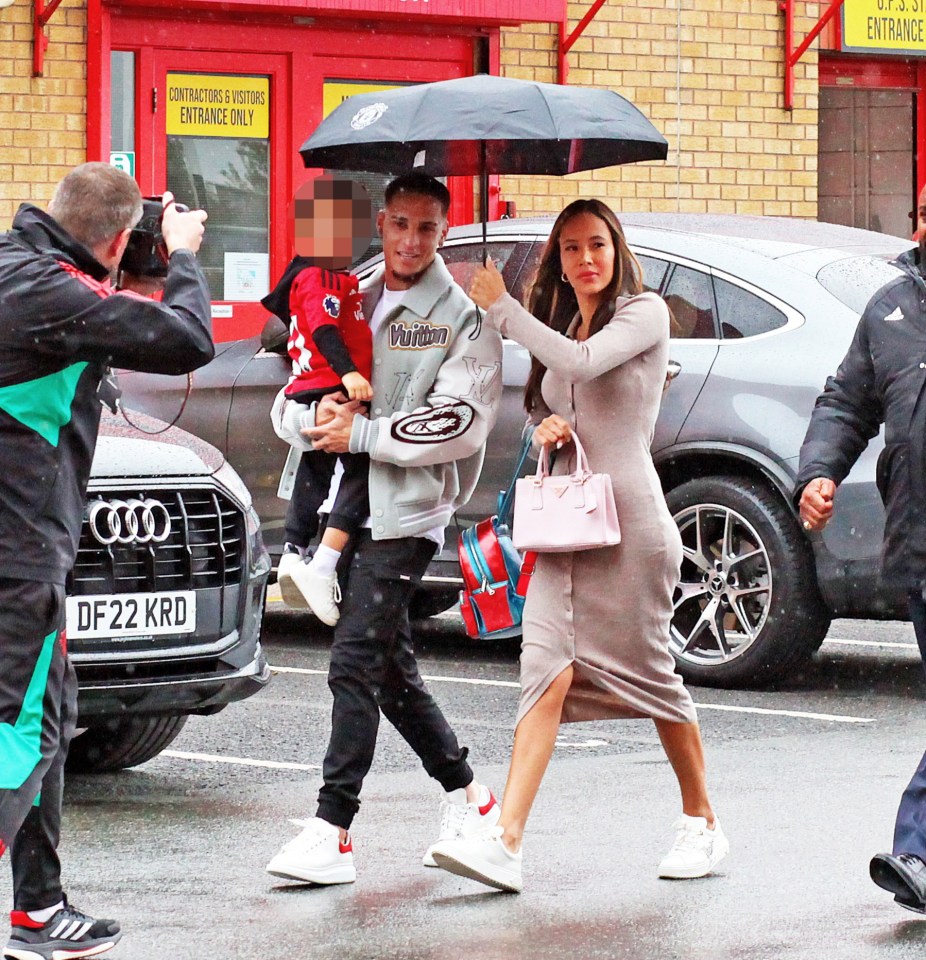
x=428 y=601
x=110 y=745
x=747 y=609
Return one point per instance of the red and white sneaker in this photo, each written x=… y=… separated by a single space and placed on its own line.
x=459 y=819
x=66 y=935
x=317 y=855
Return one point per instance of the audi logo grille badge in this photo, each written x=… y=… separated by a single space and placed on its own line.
x=128 y=521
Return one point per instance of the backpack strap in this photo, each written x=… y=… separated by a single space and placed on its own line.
x=506 y=497
x=528 y=563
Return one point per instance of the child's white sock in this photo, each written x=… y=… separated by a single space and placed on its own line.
x=325 y=561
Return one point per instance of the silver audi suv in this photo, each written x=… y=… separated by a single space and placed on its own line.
x=764 y=309
x=166 y=598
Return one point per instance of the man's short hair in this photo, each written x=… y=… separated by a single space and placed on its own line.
x=95 y=201
x=422 y=185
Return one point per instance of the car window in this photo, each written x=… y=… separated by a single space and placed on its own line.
x=855 y=280
x=654 y=272
x=463 y=258
x=744 y=314
x=689 y=298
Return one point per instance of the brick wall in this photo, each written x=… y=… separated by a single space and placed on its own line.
x=710 y=75
x=42 y=119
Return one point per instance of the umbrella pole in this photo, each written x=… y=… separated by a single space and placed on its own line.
x=483 y=199
x=483 y=216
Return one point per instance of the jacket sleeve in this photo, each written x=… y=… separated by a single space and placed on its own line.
x=638 y=324
x=845 y=417
x=290 y=418
x=460 y=413
x=319 y=298
x=84 y=321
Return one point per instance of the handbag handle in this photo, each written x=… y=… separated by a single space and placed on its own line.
x=582 y=467
x=506 y=499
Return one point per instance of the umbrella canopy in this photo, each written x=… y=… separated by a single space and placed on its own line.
x=481 y=125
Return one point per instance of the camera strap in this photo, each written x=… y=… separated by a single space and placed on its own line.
x=138 y=426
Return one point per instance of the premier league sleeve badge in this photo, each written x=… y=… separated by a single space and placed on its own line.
x=332 y=306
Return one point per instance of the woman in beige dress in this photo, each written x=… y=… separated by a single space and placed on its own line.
x=596 y=622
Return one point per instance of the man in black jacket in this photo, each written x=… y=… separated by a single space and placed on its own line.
x=61 y=325
x=883 y=380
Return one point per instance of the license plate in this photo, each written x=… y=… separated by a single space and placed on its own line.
x=131 y=614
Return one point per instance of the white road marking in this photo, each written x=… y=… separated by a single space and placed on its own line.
x=241 y=761
x=474 y=680
x=833 y=717
x=872 y=643
x=581 y=743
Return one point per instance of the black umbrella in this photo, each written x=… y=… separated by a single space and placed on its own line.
x=483 y=125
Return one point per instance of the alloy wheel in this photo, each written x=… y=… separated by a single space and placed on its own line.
x=724 y=595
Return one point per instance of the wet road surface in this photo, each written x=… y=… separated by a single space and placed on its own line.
x=805 y=779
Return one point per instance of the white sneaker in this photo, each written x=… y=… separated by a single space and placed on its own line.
x=461 y=819
x=317 y=855
x=321 y=593
x=484 y=858
x=696 y=850
x=288 y=589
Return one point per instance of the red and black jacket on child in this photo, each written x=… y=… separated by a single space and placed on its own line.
x=328 y=334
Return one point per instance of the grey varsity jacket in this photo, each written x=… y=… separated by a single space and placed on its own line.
x=437 y=384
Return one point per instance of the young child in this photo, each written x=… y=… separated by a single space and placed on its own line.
x=331 y=348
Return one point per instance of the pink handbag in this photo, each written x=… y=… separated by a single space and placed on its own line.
x=574 y=511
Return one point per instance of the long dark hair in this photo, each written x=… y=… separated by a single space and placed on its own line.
x=553 y=301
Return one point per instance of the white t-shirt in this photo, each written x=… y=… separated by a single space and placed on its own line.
x=389 y=300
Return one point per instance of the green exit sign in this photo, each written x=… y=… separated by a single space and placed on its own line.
x=123 y=160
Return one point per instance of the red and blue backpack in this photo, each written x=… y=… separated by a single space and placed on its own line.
x=495 y=576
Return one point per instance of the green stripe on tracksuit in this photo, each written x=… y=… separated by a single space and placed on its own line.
x=43 y=404
x=21 y=742
x=38 y=713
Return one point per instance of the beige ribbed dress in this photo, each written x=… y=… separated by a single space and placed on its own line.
x=606 y=611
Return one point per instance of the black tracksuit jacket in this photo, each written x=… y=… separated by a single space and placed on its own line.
x=61 y=325
x=882 y=379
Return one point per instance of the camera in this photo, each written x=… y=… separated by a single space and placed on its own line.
x=146 y=253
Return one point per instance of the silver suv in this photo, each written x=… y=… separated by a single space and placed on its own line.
x=764 y=309
x=166 y=597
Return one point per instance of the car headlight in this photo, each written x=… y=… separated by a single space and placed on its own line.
x=228 y=477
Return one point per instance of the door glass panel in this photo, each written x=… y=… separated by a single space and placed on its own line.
x=688 y=297
x=654 y=272
x=463 y=259
x=122 y=103
x=742 y=313
x=866 y=159
x=218 y=158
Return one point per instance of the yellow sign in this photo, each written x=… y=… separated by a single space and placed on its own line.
x=335 y=92
x=218 y=105
x=887 y=26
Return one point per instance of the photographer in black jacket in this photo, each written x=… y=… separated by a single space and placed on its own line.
x=61 y=325
x=883 y=380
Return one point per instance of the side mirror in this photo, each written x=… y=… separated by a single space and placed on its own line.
x=275 y=336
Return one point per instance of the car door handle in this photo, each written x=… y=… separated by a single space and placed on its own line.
x=673 y=369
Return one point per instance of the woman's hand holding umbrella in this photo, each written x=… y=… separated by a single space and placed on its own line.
x=487 y=285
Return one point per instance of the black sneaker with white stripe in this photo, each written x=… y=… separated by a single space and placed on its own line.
x=67 y=935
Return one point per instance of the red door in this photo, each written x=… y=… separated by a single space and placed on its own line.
x=219 y=140
x=220 y=113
